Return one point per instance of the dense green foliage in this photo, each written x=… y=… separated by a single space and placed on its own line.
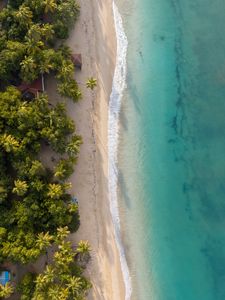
x=28 y=32
x=35 y=205
x=33 y=198
x=61 y=280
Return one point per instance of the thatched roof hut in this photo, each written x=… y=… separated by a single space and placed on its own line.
x=77 y=60
x=31 y=90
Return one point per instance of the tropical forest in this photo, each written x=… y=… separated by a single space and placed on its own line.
x=37 y=212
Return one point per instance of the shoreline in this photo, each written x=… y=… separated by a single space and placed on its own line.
x=96 y=41
x=119 y=84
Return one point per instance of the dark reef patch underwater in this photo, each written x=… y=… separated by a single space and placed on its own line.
x=172 y=149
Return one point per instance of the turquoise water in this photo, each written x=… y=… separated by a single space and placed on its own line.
x=172 y=149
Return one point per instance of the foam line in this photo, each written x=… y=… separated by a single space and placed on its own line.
x=119 y=82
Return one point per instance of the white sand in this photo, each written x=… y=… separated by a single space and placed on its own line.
x=94 y=38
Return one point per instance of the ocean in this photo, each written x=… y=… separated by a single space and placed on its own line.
x=167 y=148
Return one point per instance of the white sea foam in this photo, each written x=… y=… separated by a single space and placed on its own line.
x=119 y=82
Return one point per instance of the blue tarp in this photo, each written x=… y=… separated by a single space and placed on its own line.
x=4 y=277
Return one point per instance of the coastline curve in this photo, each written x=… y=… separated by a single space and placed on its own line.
x=119 y=83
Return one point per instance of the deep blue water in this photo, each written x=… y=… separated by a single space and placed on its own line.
x=172 y=149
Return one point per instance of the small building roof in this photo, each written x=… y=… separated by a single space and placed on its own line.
x=5 y=277
x=29 y=89
x=35 y=85
x=77 y=60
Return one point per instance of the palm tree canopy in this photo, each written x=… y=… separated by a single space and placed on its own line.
x=83 y=247
x=24 y=15
x=44 y=240
x=20 y=187
x=91 y=83
x=50 y=5
x=6 y=290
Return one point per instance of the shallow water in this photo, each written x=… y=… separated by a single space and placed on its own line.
x=172 y=149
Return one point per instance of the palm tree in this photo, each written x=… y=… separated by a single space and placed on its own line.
x=64 y=258
x=37 y=185
x=40 y=286
x=32 y=47
x=75 y=285
x=9 y=143
x=45 y=64
x=60 y=170
x=65 y=71
x=83 y=250
x=64 y=294
x=44 y=240
x=65 y=51
x=36 y=169
x=24 y=15
x=73 y=208
x=53 y=293
x=49 y=275
x=83 y=247
x=34 y=33
x=20 y=188
x=50 y=6
x=6 y=290
x=62 y=233
x=14 y=52
x=28 y=69
x=69 y=89
x=47 y=31
x=91 y=83
x=55 y=191
x=36 y=6
x=73 y=147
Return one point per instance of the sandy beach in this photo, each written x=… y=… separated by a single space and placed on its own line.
x=94 y=37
